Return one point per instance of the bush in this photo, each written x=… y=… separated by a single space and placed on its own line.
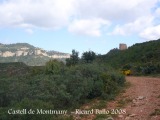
x=54 y=67
x=93 y=80
x=60 y=88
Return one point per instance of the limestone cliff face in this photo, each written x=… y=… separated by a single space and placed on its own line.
x=19 y=53
x=24 y=51
x=7 y=54
x=60 y=56
x=40 y=52
x=28 y=54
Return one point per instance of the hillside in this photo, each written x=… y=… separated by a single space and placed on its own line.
x=141 y=57
x=30 y=55
x=13 y=69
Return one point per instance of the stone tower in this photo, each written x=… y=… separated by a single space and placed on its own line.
x=122 y=46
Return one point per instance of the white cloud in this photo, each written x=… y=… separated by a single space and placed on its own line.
x=133 y=27
x=151 y=33
x=114 y=10
x=80 y=16
x=157 y=12
x=38 y=13
x=128 y=17
x=88 y=26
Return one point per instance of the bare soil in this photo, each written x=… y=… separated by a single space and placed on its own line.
x=140 y=101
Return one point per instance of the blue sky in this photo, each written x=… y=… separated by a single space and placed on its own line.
x=63 y=25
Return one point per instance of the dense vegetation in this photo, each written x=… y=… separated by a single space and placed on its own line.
x=141 y=58
x=29 y=60
x=56 y=86
x=14 y=47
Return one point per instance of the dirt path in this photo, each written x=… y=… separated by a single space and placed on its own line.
x=141 y=101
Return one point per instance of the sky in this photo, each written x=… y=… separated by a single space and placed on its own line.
x=63 y=25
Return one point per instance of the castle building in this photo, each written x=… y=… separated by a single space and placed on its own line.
x=122 y=46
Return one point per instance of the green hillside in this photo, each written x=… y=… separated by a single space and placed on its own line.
x=141 y=57
x=14 y=47
x=13 y=69
x=30 y=60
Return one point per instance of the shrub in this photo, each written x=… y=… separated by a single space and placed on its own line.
x=60 y=88
x=54 y=67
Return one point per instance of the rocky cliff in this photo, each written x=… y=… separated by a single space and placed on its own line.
x=6 y=51
x=22 y=51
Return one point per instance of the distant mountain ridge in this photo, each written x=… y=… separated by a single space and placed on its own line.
x=19 y=52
